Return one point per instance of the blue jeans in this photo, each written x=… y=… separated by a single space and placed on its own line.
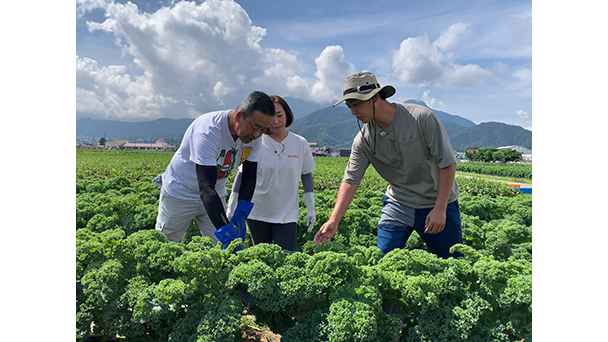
x=391 y=236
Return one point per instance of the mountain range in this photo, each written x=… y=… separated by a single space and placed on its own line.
x=334 y=127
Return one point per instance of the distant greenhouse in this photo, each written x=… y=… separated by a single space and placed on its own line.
x=159 y=145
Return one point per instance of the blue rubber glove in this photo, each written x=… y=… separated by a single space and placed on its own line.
x=226 y=235
x=243 y=208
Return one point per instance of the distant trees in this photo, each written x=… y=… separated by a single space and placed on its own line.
x=493 y=155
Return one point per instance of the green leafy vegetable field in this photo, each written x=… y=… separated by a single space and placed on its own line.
x=133 y=285
x=504 y=170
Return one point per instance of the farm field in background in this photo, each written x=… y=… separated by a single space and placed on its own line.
x=510 y=170
x=132 y=283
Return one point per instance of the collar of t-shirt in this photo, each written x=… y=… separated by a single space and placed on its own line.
x=277 y=147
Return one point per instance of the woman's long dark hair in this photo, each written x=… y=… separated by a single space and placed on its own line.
x=279 y=100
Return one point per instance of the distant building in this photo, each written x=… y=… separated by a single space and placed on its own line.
x=344 y=152
x=516 y=148
x=159 y=145
x=526 y=153
x=116 y=144
x=318 y=151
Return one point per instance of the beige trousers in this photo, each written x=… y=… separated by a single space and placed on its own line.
x=175 y=215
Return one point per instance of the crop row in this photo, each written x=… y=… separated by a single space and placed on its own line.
x=497 y=169
x=135 y=165
x=141 y=165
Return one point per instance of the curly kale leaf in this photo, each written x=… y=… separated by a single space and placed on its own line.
x=260 y=281
x=339 y=266
x=116 y=202
x=271 y=254
x=102 y=286
x=309 y=327
x=216 y=318
x=159 y=306
x=411 y=262
x=205 y=269
x=351 y=321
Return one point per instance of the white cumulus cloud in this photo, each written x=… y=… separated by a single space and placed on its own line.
x=193 y=58
x=453 y=36
x=331 y=72
x=84 y=6
x=522 y=114
x=185 y=50
x=111 y=90
x=431 y=101
x=420 y=62
x=280 y=74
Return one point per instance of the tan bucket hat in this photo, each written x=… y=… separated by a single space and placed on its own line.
x=363 y=86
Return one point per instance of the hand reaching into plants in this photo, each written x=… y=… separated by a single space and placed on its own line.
x=226 y=235
x=327 y=231
x=346 y=193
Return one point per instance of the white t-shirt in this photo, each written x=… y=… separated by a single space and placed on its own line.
x=207 y=142
x=280 y=168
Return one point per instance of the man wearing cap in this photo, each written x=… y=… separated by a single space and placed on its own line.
x=409 y=148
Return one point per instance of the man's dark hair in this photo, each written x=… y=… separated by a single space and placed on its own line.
x=256 y=100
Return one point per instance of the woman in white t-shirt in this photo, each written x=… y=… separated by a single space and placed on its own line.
x=284 y=159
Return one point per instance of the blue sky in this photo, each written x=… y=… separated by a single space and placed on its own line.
x=145 y=60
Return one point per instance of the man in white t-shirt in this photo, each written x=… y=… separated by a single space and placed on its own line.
x=194 y=184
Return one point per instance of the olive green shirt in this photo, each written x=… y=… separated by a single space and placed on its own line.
x=415 y=146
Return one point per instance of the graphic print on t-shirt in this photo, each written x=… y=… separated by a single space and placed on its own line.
x=245 y=154
x=227 y=163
